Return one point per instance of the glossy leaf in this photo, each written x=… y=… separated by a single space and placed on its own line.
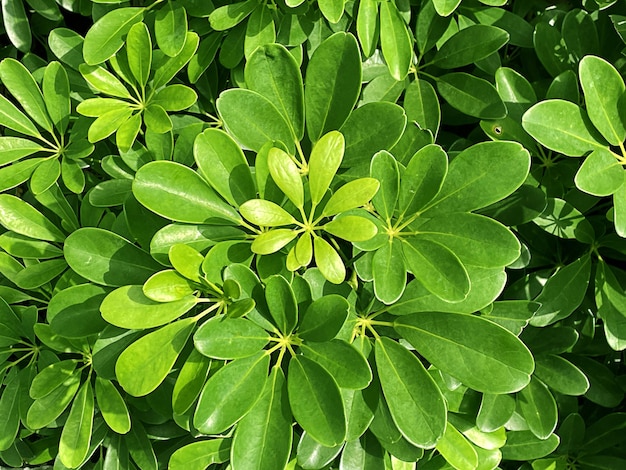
x=167 y=286
x=139 y=52
x=457 y=450
x=20 y=217
x=324 y=162
x=170 y=21
x=112 y=406
x=445 y=338
x=75 y=312
x=395 y=40
x=471 y=95
x=106 y=36
x=229 y=338
x=600 y=174
x=200 y=454
x=266 y=213
x=328 y=261
x=538 y=407
x=387 y=269
x=323 y=318
x=351 y=195
x=470 y=45
x=76 y=435
x=346 y=365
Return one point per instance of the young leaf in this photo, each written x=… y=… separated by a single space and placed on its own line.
x=112 y=406
x=270 y=242
x=353 y=228
x=76 y=435
x=174 y=97
x=315 y=401
x=286 y=175
x=22 y=218
x=264 y=435
x=227 y=16
x=445 y=7
x=367 y=27
x=266 y=213
x=457 y=344
x=190 y=380
x=200 y=455
x=324 y=162
x=139 y=51
x=328 y=261
x=457 y=450
x=229 y=338
x=231 y=393
x=332 y=9
x=16 y=120
x=167 y=286
x=144 y=364
x=106 y=36
x=333 y=84
x=351 y=195
x=128 y=307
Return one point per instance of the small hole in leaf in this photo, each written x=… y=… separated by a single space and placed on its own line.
x=497 y=130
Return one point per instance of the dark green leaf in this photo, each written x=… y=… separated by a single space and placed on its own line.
x=169 y=23
x=471 y=95
x=470 y=45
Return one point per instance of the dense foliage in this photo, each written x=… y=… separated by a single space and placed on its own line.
x=332 y=234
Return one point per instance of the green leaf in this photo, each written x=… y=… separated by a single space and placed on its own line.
x=353 y=228
x=273 y=72
x=163 y=187
x=96 y=107
x=252 y=119
x=474 y=239
x=315 y=401
x=9 y=410
x=563 y=292
x=108 y=123
x=384 y=168
x=471 y=95
x=323 y=318
x=364 y=453
x=112 y=406
x=333 y=84
x=45 y=410
x=224 y=166
x=139 y=51
x=423 y=178
x=367 y=27
x=18 y=80
x=538 y=408
x=16 y=120
x=51 y=377
x=370 y=128
x=108 y=259
x=422 y=105
x=190 y=381
x=144 y=364
x=260 y=29
x=351 y=195
x=38 y=274
x=343 y=361
x=415 y=402
x=332 y=9
x=167 y=286
x=470 y=45
x=281 y=303
x=395 y=41
x=76 y=435
x=562 y=126
x=174 y=97
x=479 y=176
x=266 y=213
x=227 y=16
x=67 y=45
x=561 y=375
x=106 y=36
x=156 y=119
x=328 y=261
x=169 y=22
x=186 y=260
x=270 y=242
x=74 y=312
x=446 y=7
x=229 y=338
x=525 y=446
x=200 y=455
x=457 y=451
x=286 y=175
x=22 y=218
x=140 y=447
x=482 y=355
x=324 y=162
x=600 y=174
x=45 y=176
x=172 y=65
x=562 y=219
x=231 y=393
x=495 y=411
x=388 y=272
x=128 y=307
x=56 y=93
x=264 y=436
x=437 y=268
x=16 y=24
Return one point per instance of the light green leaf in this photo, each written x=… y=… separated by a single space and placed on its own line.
x=332 y=9
x=395 y=41
x=175 y=97
x=51 y=377
x=67 y=45
x=252 y=119
x=144 y=364
x=18 y=80
x=286 y=175
x=76 y=435
x=315 y=401
x=389 y=272
x=264 y=436
x=415 y=402
x=353 y=228
x=56 y=93
x=96 y=107
x=16 y=24
x=112 y=406
x=446 y=7
x=16 y=120
x=156 y=119
x=169 y=23
x=190 y=380
x=351 y=195
x=167 y=286
x=108 y=259
x=108 y=123
x=200 y=455
x=45 y=410
x=45 y=176
x=471 y=95
x=367 y=27
x=470 y=45
x=20 y=217
x=164 y=188
x=127 y=133
x=324 y=162
x=265 y=213
x=128 y=307
x=172 y=65
x=328 y=261
x=139 y=52
x=106 y=36
x=227 y=16
x=260 y=29
x=479 y=176
x=437 y=268
x=562 y=126
x=482 y=355
x=525 y=446
x=457 y=450
x=495 y=411
x=38 y=274
x=474 y=239
x=385 y=169
x=600 y=174
x=229 y=338
x=270 y=242
x=231 y=393
x=333 y=84
x=224 y=166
